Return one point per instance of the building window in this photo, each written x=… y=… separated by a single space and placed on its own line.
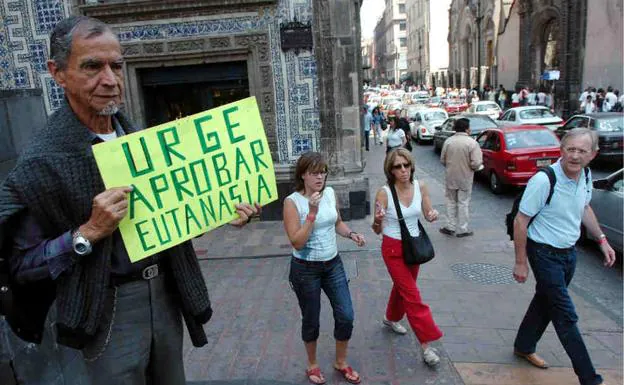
x=403 y=42
x=402 y=8
x=402 y=26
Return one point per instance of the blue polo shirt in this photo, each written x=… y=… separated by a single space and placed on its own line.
x=559 y=223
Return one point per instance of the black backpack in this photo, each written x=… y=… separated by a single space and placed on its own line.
x=509 y=219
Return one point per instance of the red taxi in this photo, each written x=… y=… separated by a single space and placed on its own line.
x=512 y=155
x=455 y=106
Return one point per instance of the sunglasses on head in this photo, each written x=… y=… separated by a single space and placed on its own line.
x=401 y=165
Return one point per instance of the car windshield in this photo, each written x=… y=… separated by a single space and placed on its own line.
x=434 y=100
x=530 y=138
x=614 y=124
x=487 y=107
x=434 y=115
x=411 y=112
x=536 y=113
x=480 y=124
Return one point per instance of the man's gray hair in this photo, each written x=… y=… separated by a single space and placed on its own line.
x=575 y=132
x=63 y=33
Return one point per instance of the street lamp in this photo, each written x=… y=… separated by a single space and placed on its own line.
x=476 y=10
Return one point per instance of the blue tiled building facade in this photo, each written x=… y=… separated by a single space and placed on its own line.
x=26 y=25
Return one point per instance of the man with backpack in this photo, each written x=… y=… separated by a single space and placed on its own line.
x=545 y=230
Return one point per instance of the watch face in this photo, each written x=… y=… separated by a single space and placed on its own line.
x=80 y=248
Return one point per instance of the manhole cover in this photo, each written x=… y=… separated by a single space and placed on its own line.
x=484 y=273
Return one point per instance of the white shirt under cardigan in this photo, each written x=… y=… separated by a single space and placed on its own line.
x=321 y=245
x=391 y=227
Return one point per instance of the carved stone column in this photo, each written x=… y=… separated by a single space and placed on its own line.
x=526 y=58
x=336 y=30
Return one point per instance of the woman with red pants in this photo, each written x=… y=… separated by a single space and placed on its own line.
x=405 y=296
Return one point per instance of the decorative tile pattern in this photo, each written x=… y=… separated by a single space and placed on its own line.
x=48 y=13
x=302 y=144
x=24 y=32
x=55 y=93
x=307 y=67
x=24 y=44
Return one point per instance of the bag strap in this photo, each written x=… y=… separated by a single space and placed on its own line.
x=397 y=207
x=552 y=178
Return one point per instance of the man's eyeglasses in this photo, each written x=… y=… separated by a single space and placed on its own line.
x=574 y=150
x=401 y=165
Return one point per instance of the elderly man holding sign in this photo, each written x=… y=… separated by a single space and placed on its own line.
x=59 y=226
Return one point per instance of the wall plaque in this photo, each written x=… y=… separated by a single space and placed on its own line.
x=296 y=35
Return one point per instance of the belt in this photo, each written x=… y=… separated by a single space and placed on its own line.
x=148 y=273
x=553 y=248
x=315 y=263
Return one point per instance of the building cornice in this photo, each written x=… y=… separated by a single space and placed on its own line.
x=128 y=10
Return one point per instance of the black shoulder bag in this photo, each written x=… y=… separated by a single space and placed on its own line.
x=416 y=250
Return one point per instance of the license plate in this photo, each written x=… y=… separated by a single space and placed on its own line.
x=543 y=162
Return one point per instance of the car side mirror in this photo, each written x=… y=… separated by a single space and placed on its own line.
x=601 y=184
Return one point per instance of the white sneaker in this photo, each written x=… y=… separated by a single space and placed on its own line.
x=430 y=355
x=395 y=326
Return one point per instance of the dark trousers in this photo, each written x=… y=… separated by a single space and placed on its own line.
x=553 y=270
x=140 y=338
x=307 y=280
x=366 y=138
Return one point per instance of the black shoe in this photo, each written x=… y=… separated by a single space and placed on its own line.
x=466 y=234
x=446 y=231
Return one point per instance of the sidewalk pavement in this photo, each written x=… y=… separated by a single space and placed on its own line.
x=255 y=331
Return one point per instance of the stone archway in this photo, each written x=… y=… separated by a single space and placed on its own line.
x=546 y=42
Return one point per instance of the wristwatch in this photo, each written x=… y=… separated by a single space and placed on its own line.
x=81 y=245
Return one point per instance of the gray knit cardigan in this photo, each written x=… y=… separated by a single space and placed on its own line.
x=56 y=179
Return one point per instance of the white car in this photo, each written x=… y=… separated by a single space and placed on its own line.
x=488 y=108
x=424 y=121
x=538 y=115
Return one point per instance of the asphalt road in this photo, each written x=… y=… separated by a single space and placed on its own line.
x=595 y=283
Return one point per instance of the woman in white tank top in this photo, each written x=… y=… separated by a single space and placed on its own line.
x=405 y=297
x=312 y=219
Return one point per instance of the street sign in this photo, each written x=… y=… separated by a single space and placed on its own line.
x=551 y=75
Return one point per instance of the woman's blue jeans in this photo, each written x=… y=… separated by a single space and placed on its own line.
x=553 y=270
x=307 y=279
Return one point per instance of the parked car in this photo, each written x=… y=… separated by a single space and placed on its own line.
x=487 y=108
x=607 y=203
x=409 y=111
x=608 y=125
x=455 y=106
x=388 y=101
x=434 y=102
x=425 y=120
x=530 y=115
x=511 y=155
x=478 y=123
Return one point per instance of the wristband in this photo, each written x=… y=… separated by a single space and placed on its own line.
x=311 y=217
x=602 y=239
x=351 y=234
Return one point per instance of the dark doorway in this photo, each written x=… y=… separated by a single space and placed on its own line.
x=175 y=92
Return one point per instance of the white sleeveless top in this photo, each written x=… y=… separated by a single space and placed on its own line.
x=391 y=227
x=321 y=246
